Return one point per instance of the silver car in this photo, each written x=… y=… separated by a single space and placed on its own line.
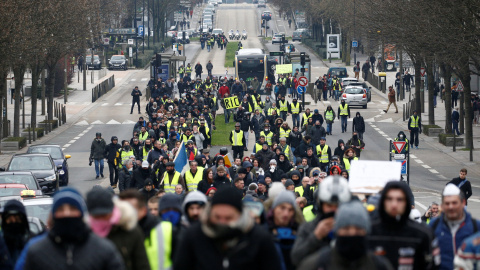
x=355 y=96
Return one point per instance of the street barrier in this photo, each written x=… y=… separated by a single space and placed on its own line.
x=102 y=88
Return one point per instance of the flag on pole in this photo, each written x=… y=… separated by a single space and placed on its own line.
x=181 y=161
x=227 y=158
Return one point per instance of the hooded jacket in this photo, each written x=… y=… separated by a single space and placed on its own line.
x=400 y=239
x=338 y=151
x=148 y=194
x=285 y=164
x=301 y=150
x=140 y=175
x=317 y=132
x=358 y=123
x=15 y=238
x=295 y=138
x=246 y=246
x=264 y=157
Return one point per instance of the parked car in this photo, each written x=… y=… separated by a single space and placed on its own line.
x=266 y=15
x=38 y=207
x=42 y=167
x=277 y=38
x=368 y=89
x=58 y=157
x=118 y=62
x=23 y=178
x=355 y=96
x=180 y=38
x=96 y=64
x=340 y=72
x=261 y=4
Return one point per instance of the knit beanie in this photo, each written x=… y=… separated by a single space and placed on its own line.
x=228 y=196
x=285 y=196
x=170 y=200
x=352 y=214
x=68 y=196
x=289 y=182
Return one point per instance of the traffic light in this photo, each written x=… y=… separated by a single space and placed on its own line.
x=302 y=59
x=158 y=60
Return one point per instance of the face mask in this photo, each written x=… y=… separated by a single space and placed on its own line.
x=127 y=148
x=71 y=229
x=148 y=146
x=14 y=229
x=100 y=227
x=266 y=130
x=130 y=170
x=224 y=232
x=99 y=140
x=355 y=137
x=172 y=216
x=351 y=247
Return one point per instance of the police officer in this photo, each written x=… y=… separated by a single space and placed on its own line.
x=415 y=127
x=237 y=139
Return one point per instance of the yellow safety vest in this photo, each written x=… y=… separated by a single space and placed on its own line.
x=268 y=138
x=347 y=163
x=282 y=80
x=269 y=112
x=125 y=156
x=189 y=69
x=324 y=157
x=162 y=140
x=170 y=187
x=186 y=138
x=159 y=246
x=258 y=147
x=300 y=190
x=305 y=117
x=286 y=150
x=308 y=214
x=192 y=181
x=283 y=106
x=145 y=153
x=143 y=137
x=344 y=109
x=295 y=109
x=329 y=115
x=180 y=70
x=208 y=86
x=258 y=105
x=414 y=122
x=237 y=138
x=284 y=133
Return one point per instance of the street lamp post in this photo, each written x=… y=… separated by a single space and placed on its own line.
x=136 y=31
x=143 y=25
x=354 y=33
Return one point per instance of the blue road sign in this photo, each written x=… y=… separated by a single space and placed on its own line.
x=301 y=90
x=354 y=44
x=404 y=165
x=140 y=30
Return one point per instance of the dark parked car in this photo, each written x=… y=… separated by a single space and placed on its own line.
x=118 y=62
x=58 y=157
x=23 y=178
x=41 y=165
x=96 y=64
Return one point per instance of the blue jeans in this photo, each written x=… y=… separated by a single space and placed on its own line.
x=455 y=127
x=296 y=120
x=325 y=93
x=203 y=45
x=329 y=128
x=227 y=115
x=435 y=101
x=344 y=122
x=208 y=48
x=292 y=149
x=99 y=167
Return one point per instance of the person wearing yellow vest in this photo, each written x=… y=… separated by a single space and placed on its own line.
x=401 y=137
x=267 y=134
x=193 y=176
x=332 y=193
x=181 y=71
x=124 y=154
x=286 y=148
x=343 y=113
x=146 y=149
x=188 y=70
x=329 y=116
x=171 y=178
x=337 y=87
x=143 y=135
x=305 y=116
x=273 y=109
x=187 y=136
x=284 y=130
x=283 y=108
x=324 y=153
x=348 y=157
x=302 y=191
x=295 y=109
x=237 y=139
x=415 y=128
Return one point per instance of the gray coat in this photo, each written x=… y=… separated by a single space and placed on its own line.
x=124 y=179
x=97 y=149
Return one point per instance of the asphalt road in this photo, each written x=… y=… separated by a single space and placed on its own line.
x=430 y=168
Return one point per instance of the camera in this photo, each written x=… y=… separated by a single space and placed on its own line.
x=90 y=161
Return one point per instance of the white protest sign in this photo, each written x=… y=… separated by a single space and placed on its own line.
x=370 y=176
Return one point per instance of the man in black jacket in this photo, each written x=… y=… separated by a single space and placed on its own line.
x=227 y=236
x=396 y=237
x=140 y=175
x=463 y=184
x=110 y=154
x=136 y=94
x=97 y=151
x=358 y=125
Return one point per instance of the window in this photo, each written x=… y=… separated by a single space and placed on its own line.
x=54 y=152
x=29 y=163
x=354 y=91
x=19 y=179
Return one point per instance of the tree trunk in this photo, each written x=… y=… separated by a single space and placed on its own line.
x=36 y=70
x=467 y=104
x=447 y=76
x=418 y=82
x=18 y=72
x=50 y=89
x=431 y=87
x=3 y=102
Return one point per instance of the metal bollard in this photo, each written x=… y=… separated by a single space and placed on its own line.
x=454 y=142
x=29 y=134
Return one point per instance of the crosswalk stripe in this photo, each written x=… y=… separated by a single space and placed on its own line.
x=98 y=122
x=133 y=80
x=113 y=122
x=144 y=79
x=82 y=123
x=104 y=104
x=118 y=104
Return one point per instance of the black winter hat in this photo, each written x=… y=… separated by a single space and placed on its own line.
x=228 y=196
x=242 y=170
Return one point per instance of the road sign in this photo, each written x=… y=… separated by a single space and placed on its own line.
x=284 y=69
x=459 y=86
x=106 y=41
x=140 y=30
x=403 y=163
x=354 y=44
x=399 y=156
x=130 y=52
x=276 y=53
x=422 y=72
x=303 y=81
x=301 y=89
x=121 y=31
x=399 y=146
x=130 y=41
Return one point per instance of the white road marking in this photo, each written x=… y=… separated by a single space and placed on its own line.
x=443 y=177
x=473 y=200
x=72 y=141
x=389 y=139
x=104 y=104
x=426 y=166
x=385 y=135
x=76 y=138
x=66 y=145
x=118 y=104
x=113 y=122
x=381 y=132
x=373 y=126
x=418 y=161
x=144 y=79
x=133 y=80
x=127 y=122
x=433 y=171
x=63 y=149
x=370 y=120
x=82 y=123
x=421 y=205
x=388 y=120
x=413 y=156
x=383 y=102
x=377 y=129
x=98 y=122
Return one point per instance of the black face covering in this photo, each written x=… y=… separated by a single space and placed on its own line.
x=351 y=247
x=71 y=229
x=170 y=171
x=225 y=232
x=127 y=148
x=355 y=137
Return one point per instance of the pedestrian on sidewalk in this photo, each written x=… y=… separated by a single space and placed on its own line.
x=454 y=95
x=463 y=184
x=365 y=70
x=356 y=69
x=391 y=99
x=136 y=94
x=372 y=61
x=12 y=89
x=80 y=63
x=407 y=80
x=436 y=90
x=397 y=86
x=455 y=120
x=209 y=68
x=415 y=128
x=97 y=151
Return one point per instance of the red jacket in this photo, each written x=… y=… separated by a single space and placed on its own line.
x=224 y=90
